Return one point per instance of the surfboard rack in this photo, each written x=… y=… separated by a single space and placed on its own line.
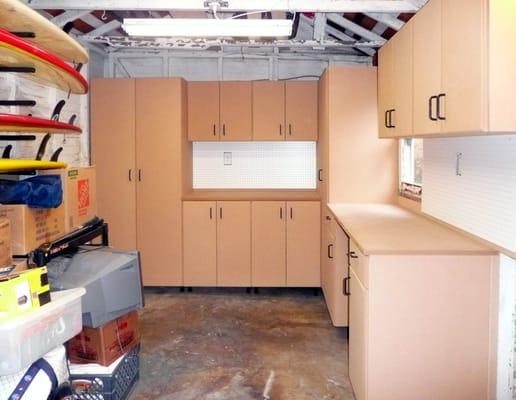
x=20 y=103
x=17 y=138
x=18 y=70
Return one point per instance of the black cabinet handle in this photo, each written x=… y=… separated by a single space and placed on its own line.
x=352 y=254
x=345 y=286
x=130 y=175
x=291 y=213
x=211 y=213
x=319 y=175
x=439 y=97
x=280 y=131
x=281 y=212
x=328 y=218
x=431 y=108
x=220 y=212
x=223 y=129
x=386 y=116
x=290 y=129
x=390 y=119
x=330 y=253
x=214 y=130
x=139 y=175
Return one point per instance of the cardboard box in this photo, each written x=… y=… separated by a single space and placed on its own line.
x=105 y=344
x=79 y=188
x=6 y=255
x=31 y=227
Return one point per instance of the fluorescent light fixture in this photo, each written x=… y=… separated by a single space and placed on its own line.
x=207 y=28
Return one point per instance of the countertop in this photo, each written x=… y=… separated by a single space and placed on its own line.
x=249 y=195
x=389 y=229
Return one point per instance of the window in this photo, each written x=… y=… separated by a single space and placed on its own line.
x=411 y=168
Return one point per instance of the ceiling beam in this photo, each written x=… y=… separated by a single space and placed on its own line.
x=319 y=25
x=106 y=28
x=342 y=36
x=388 y=20
x=69 y=16
x=337 y=6
x=355 y=28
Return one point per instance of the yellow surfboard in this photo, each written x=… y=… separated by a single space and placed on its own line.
x=16 y=165
x=15 y=16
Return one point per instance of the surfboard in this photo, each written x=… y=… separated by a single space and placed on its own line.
x=15 y=16
x=18 y=53
x=8 y=165
x=24 y=123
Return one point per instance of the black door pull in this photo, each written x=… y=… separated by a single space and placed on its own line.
x=345 y=286
x=330 y=253
x=439 y=108
x=431 y=108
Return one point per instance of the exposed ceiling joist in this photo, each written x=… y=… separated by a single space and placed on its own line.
x=337 y=6
x=355 y=28
x=388 y=20
x=68 y=16
x=106 y=28
x=319 y=25
x=342 y=36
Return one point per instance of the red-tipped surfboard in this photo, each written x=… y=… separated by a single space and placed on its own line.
x=39 y=64
x=15 y=16
x=24 y=123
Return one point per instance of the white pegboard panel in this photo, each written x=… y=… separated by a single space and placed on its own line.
x=254 y=165
x=479 y=197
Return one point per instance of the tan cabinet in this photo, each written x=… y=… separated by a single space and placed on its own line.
x=200 y=243
x=136 y=140
x=159 y=122
x=399 y=304
x=269 y=110
x=462 y=86
x=234 y=243
x=113 y=151
x=203 y=111
x=301 y=113
x=303 y=244
x=268 y=244
x=336 y=283
x=395 y=85
x=235 y=111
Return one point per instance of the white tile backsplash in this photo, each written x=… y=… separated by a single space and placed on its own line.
x=254 y=165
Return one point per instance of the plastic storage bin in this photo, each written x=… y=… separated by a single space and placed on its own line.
x=25 y=339
x=115 y=382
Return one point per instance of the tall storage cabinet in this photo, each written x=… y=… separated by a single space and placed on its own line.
x=137 y=137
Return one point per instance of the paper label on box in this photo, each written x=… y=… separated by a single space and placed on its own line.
x=83 y=195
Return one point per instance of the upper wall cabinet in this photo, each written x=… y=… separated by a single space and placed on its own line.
x=219 y=111
x=285 y=110
x=462 y=76
x=395 y=85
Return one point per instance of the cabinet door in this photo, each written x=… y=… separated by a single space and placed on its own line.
x=358 y=336
x=339 y=274
x=199 y=243
x=427 y=68
x=268 y=110
x=402 y=80
x=236 y=111
x=303 y=244
x=234 y=243
x=113 y=152
x=385 y=89
x=268 y=243
x=301 y=110
x=464 y=65
x=159 y=130
x=203 y=111
x=327 y=266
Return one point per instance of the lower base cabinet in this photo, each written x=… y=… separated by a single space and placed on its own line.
x=335 y=272
x=251 y=244
x=420 y=326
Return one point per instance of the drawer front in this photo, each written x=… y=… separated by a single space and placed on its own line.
x=359 y=262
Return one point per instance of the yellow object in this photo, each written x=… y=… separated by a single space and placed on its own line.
x=23 y=292
x=9 y=165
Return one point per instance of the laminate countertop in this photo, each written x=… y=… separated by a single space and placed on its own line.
x=389 y=229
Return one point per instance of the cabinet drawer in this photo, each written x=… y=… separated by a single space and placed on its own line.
x=359 y=262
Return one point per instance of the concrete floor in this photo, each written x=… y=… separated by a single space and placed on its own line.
x=224 y=344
